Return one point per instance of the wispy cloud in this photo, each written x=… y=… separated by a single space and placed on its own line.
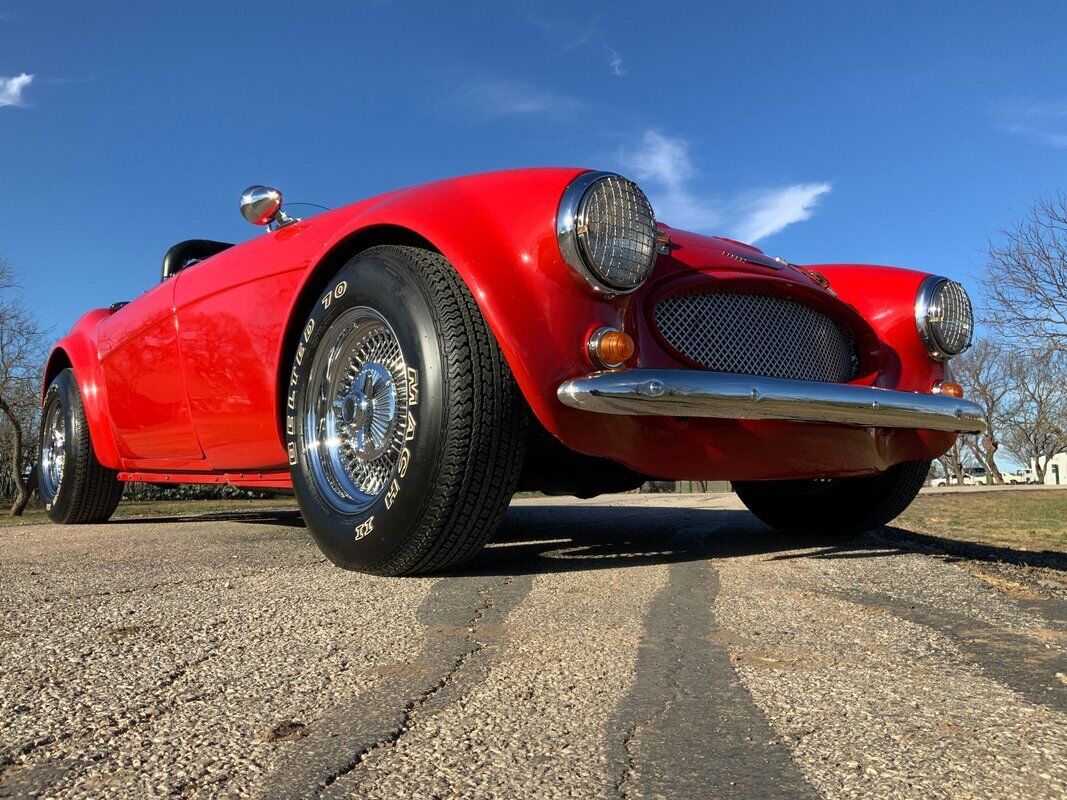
x=1046 y=122
x=568 y=30
x=500 y=97
x=771 y=210
x=663 y=166
x=11 y=89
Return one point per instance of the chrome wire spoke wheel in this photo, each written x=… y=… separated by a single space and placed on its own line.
x=356 y=410
x=53 y=450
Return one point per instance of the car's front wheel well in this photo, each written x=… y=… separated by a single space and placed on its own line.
x=57 y=362
x=321 y=275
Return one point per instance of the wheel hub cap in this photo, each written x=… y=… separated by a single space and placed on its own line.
x=53 y=452
x=355 y=418
x=368 y=411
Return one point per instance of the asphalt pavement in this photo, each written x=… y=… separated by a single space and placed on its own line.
x=638 y=646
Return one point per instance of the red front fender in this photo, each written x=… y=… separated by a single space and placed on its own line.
x=79 y=348
x=498 y=231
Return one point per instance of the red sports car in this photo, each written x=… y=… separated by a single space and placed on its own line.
x=405 y=364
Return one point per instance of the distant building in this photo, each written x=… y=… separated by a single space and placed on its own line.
x=1055 y=471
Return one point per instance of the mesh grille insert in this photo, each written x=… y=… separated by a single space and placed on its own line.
x=757 y=335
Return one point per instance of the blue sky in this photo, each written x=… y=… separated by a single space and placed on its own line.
x=894 y=133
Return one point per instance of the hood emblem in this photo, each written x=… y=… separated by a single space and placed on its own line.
x=758 y=259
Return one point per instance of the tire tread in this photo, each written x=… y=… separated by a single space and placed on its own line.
x=484 y=436
x=95 y=490
x=849 y=505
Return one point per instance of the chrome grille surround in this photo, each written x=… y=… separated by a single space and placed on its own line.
x=620 y=237
x=752 y=334
x=944 y=317
x=606 y=230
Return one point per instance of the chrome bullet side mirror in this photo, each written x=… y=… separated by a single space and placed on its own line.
x=262 y=205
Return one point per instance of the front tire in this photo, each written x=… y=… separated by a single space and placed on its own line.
x=404 y=426
x=72 y=483
x=835 y=505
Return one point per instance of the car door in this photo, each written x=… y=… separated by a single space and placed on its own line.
x=232 y=311
x=149 y=409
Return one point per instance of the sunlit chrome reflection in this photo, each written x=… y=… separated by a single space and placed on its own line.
x=356 y=409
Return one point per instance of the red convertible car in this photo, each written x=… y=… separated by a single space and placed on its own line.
x=405 y=364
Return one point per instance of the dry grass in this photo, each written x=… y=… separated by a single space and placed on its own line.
x=1020 y=520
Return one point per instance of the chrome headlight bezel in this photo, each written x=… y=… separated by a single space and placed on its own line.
x=928 y=302
x=572 y=231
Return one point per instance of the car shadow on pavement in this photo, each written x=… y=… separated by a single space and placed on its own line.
x=563 y=538
x=566 y=538
x=287 y=517
x=541 y=539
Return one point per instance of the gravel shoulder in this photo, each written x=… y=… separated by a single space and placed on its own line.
x=635 y=646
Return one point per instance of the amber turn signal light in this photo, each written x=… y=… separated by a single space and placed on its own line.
x=951 y=388
x=610 y=348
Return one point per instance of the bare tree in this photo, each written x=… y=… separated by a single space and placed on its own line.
x=983 y=373
x=1025 y=284
x=22 y=343
x=955 y=462
x=1034 y=421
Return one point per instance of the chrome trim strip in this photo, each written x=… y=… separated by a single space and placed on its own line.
x=923 y=299
x=567 y=221
x=570 y=223
x=692 y=393
x=593 y=348
x=927 y=332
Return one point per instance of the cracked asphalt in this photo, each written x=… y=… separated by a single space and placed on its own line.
x=638 y=646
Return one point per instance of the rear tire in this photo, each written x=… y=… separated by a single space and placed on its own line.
x=835 y=505
x=404 y=426
x=72 y=483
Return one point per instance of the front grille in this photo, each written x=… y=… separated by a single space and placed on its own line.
x=757 y=335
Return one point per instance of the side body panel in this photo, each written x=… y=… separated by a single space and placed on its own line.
x=149 y=412
x=231 y=315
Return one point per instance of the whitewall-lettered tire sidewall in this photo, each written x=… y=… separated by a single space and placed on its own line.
x=373 y=536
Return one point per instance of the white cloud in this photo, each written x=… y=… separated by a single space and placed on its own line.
x=500 y=97
x=11 y=89
x=616 y=63
x=772 y=210
x=661 y=159
x=1049 y=137
x=1046 y=122
x=1040 y=110
x=664 y=168
x=661 y=164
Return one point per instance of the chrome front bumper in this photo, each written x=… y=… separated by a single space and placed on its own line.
x=691 y=393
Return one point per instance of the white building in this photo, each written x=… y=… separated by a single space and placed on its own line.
x=1055 y=471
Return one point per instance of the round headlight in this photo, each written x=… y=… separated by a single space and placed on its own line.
x=607 y=231
x=944 y=317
